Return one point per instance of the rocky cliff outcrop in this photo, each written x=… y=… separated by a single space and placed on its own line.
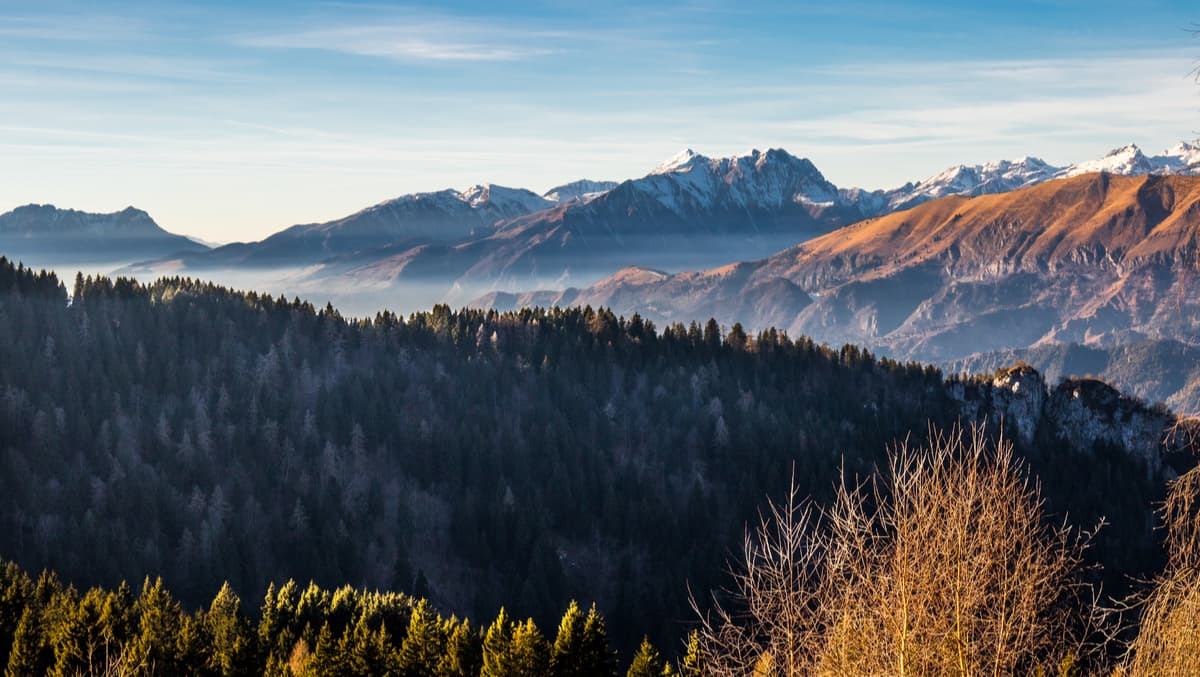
x=1081 y=413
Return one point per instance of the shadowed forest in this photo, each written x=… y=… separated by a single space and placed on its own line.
x=472 y=461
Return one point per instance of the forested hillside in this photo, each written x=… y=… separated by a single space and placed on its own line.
x=482 y=460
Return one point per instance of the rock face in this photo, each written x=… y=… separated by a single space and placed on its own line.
x=1081 y=413
x=1085 y=412
x=1019 y=394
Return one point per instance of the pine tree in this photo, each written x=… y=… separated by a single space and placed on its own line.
x=27 y=658
x=16 y=591
x=232 y=643
x=497 y=645
x=194 y=644
x=567 y=659
x=647 y=662
x=463 y=656
x=68 y=626
x=598 y=658
x=158 y=622
x=360 y=650
x=116 y=628
x=423 y=644
x=326 y=659
x=530 y=652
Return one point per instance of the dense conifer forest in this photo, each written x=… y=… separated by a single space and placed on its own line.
x=223 y=441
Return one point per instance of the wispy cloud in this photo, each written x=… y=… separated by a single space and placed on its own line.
x=72 y=28
x=419 y=39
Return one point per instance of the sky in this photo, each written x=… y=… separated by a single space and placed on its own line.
x=231 y=120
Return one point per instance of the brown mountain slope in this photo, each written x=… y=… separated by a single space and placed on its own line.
x=1094 y=219
x=1096 y=259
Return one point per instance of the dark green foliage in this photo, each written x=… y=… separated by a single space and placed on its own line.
x=186 y=430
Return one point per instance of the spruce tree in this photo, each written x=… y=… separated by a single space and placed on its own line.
x=647 y=662
x=325 y=659
x=567 y=659
x=194 y=644
x=423 y=645
x=530 y=652
x=497 y=644
x=598 y=658
x=158 y=623
x=26 y=658
x=16 y=591
x=232 y=642
x=68 y=626
x=463 y=656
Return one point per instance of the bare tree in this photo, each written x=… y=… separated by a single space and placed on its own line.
x=944 y=564
x=1168 y=639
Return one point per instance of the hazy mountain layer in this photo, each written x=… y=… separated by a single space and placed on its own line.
x=691 y=212
x=49 y=235
x=1096 y=259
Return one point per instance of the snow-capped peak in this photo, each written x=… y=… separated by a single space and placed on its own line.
x=679 y=161
x=1183 y=157
x=756 y=180
x=1182 y=148
x=1127 y=159
x=501 y=202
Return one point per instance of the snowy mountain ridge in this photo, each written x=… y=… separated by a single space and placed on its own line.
x=757 y=180
x=1005 y=175
x=584 y=189
x=772 y=178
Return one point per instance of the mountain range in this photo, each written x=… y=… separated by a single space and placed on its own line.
x=691 y=211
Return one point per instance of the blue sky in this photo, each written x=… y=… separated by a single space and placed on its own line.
x=230 y=120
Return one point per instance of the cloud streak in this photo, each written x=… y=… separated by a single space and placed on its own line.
x=418 y=39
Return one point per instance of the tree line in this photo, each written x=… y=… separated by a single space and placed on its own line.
x=49 y=628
